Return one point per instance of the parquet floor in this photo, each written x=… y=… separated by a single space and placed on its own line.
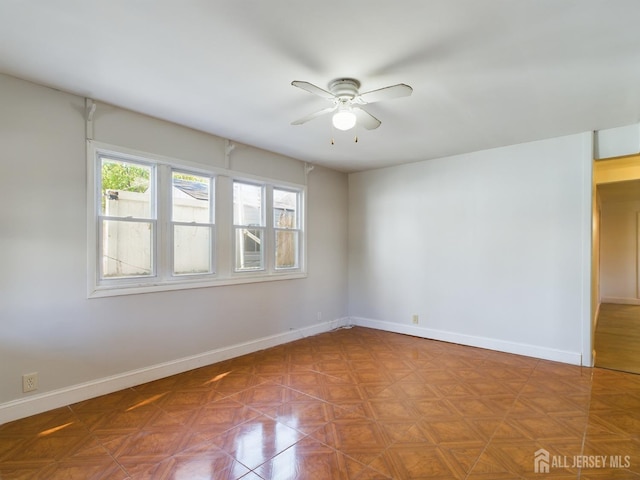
x=617 y=337
x=350 y=404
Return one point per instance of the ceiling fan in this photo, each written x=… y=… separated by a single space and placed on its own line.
x=348 y=102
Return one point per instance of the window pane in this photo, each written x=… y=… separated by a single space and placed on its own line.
x=249 y=249
x=125 y=189
x=190 y=198
x=247 y=204
x=191 y=249
x=126 y=249
x=286 y=249
x=285 y=205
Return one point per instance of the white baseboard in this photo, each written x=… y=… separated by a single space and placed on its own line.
x=39 y=403
x=535 y=351
x=621 y=301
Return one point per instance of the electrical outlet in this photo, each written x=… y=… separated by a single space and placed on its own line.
x=415 y=319
x=319 y=315
x=30 y=382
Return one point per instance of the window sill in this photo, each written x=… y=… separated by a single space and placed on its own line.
x=138 y=288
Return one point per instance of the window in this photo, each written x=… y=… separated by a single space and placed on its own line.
x=192 y=223
x=154 y=222
x=286 y=226
x=251 y=231
x=127 y=226
x=249 y=226
x=131 y=244
x=153 y=227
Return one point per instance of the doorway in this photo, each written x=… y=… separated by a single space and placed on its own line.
x=616 y=336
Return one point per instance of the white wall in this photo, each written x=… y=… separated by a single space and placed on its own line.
x=489 y=249
x=619 y=252
x=81 y=346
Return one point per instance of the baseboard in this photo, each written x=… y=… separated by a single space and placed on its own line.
x=527 y=350
x=39 y=403
x=621 y=301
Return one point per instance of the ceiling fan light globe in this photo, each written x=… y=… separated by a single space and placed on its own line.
x=344 y=120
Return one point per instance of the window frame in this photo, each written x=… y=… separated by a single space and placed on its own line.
x=223 y=248
x=211 y=224
x=238 y=227
x=152 y=220
x=269 y=248
x=296 y=230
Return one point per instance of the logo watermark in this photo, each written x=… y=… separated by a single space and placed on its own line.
x=543 y=462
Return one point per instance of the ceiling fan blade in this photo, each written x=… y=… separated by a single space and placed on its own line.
x=311 y=88
x=311 y=116
x=365 y=119
x=386 y=93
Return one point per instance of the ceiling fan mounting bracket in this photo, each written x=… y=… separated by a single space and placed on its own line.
x=344 y=88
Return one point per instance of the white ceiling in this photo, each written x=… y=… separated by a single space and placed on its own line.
x=485 y=73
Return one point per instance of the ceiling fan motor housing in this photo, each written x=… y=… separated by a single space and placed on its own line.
x=345 y=88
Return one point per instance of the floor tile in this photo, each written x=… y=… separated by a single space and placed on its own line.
x=307 y=416
x=205 y=462
x=311 y=459
x=360 y=438
x=219 y=417
x=418 y=462
x=257 y=441
x=88 y=469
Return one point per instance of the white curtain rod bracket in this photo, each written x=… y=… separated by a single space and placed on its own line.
x=228 y=148
x=90 y=109
x=308 y=168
